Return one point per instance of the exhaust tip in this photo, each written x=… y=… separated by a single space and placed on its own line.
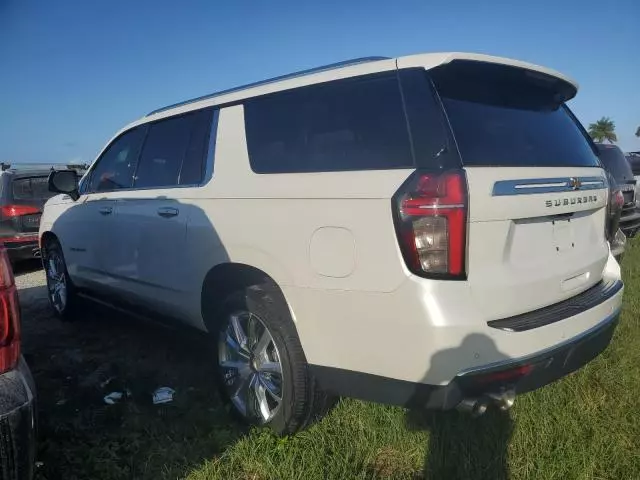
x=504 y=400
x=476 y=407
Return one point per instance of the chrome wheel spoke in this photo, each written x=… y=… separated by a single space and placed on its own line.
x=239 y=393
x=56 y=282
x=234 y=347
x=271 y=367
x=262 y=404
x=250 y=365
x=271 y=388
x=238 y=332
x=260 y=348
x=253 y=328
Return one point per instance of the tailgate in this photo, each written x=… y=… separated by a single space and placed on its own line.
x=536 y=235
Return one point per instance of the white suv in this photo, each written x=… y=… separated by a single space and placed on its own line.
x=423 y=231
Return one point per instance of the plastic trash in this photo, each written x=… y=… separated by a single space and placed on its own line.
x=113 y=398
x=163 y=395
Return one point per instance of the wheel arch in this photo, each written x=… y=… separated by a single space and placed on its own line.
x=47 y=237
x=225 y=278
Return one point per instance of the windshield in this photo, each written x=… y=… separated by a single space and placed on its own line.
x=502 y=116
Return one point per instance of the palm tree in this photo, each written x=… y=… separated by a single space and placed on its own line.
x=603 y=130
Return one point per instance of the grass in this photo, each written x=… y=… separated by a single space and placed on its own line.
x=585 y=426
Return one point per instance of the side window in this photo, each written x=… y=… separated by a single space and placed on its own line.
x=353 y=124
x=114 y=169
x=429 y=130
x=193 y=166
x=174 y=151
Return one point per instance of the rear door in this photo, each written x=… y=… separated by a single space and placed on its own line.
x=537 y=196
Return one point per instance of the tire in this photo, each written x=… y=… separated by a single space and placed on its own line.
x=253 y=373
x=63 y=300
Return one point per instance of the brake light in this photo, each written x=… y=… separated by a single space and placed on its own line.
x=430 y=212
x=18 y=210
x=618 y=198
x=9 y=316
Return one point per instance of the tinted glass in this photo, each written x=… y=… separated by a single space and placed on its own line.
x=634 y=161
x=508 y=117
x=615 y=162
x=163 y=152
x=429 y=131
x=114 y=169
x=354 y=124
x=31 y=188
x=193 y=167
x=174 y=151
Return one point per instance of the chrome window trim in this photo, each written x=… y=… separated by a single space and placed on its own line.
x=209 y=164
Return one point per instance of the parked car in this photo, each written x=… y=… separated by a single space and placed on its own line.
x=17 y=391
x=426 y=231
x=616 y=237
x=621 y=175
x=23 y=193
x=634 y=160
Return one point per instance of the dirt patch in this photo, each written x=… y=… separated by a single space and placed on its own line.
x=76 y=364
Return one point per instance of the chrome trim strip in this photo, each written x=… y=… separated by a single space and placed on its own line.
x=529 y=186
x=520 y=360
x=436 y=207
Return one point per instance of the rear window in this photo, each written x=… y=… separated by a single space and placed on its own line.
x=31 y=188
x=354 y=124
x=615 y=162
x=505 y=116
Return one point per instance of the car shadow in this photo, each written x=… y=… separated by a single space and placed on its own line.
x=461 y=446
x=75 y=365
x=27 y=266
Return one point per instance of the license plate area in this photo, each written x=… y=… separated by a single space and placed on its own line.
x=563 y=233
x=31 y=222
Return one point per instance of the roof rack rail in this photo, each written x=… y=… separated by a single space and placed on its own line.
x=288 y=76
x=43 y=166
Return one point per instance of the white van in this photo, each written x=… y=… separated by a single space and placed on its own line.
x=426 y=231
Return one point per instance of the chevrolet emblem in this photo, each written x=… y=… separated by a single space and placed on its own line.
x=574 y=183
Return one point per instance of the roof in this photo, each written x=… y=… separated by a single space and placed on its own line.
x=350 y=68
x=38 y=168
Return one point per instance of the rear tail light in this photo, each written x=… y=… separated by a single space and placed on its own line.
x=8 y=211
x=618 y=198
x=9 y=316
x=430 y=212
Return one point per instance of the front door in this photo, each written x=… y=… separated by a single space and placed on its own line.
x=87 y=227
x=148 y=262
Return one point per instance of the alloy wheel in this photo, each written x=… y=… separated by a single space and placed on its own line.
x=250 y=367
x=56 y=280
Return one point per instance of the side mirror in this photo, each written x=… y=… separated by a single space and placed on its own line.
x=64 y=181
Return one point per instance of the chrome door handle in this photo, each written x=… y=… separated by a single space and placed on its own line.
x=106 y=210
x=167 y=212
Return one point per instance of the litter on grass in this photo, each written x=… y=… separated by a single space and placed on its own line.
x=163 y=395
x=113 y=398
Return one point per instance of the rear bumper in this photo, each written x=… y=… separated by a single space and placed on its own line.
x=520 y=375
x=22 y=248
x=629 y=221
x=17 y=424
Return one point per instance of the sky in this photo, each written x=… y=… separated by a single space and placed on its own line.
x=72 y=73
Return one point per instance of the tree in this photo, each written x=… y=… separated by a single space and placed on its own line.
x=638 y=132
x=603 y=130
